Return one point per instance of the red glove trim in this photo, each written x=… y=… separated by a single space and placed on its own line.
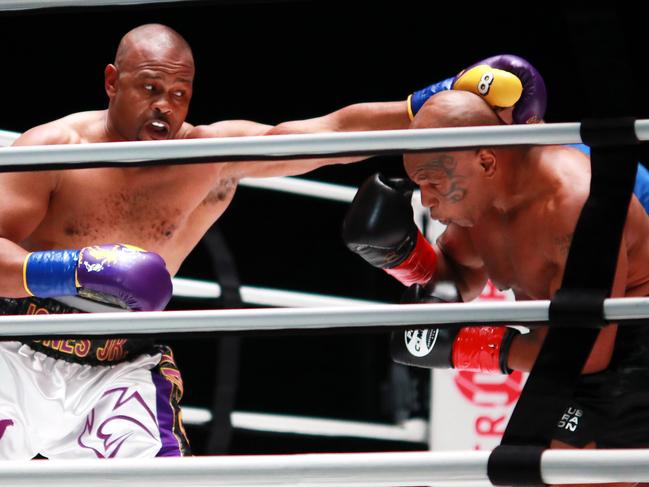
x=477 y=348
x=419 y=266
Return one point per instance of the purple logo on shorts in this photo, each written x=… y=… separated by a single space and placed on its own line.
x=126 y=408
x=4 y=424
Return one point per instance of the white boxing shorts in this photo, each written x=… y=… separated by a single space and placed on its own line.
x=62 y=409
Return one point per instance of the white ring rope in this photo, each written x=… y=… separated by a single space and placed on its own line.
x=357 y=469
x=297 y=186
x=301 y=144
x=414 y=430
x=190 y=288
x=34 y=4
x=304 y=187
x=237 y=320
x=7 y=137
x=409 y=431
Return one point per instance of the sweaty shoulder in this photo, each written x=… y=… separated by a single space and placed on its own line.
x=566 y=172
x=564 y=185
x=46 y=134
x=72 y=129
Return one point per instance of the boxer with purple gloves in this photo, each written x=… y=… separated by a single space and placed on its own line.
x=503 y=81
x=118 y=274
x=120 y=397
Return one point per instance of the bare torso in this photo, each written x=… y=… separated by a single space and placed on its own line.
x=525 y=249
x=164 y=209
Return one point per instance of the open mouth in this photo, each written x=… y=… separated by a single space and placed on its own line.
x=157 y=129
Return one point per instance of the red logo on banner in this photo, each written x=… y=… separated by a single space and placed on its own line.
x=489 y=390
x=491 y=293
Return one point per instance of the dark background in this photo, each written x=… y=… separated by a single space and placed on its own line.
x=277 y=61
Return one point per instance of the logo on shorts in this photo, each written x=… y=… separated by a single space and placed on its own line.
x=4 y=424
x=420 y=342
x=570 y=419
x=129 y=417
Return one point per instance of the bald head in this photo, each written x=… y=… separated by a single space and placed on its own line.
x=454 y=108
x=152 y=41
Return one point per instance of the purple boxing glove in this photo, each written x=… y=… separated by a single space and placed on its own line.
x=502 y=81
x=118 y=274
x=530 y=108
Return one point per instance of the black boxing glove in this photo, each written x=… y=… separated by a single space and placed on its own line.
x=475 y=348
x=380 y=227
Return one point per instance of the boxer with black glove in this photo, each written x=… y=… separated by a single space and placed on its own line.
x=475 y=348
x=503 y=81
x=379 y=226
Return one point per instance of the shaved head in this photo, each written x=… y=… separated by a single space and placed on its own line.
x=457 y=185
x=151 y=41
x=454 y=108
x=150 y=84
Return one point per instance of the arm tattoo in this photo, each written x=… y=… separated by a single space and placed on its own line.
x=221 y=191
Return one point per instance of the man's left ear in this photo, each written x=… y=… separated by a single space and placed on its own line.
x=487 y=159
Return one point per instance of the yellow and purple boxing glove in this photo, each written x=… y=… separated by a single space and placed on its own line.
x=503 y=81
x=122 y=274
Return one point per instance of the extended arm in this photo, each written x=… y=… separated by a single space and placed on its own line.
x=358 y=117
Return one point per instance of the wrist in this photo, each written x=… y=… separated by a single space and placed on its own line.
x=419 y=265
x=51 y=273
x=418 y=98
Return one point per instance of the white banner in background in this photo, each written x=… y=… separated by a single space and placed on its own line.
x=470 y=410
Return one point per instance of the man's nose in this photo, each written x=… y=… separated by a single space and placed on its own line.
x=429 y=200
x=161 y=104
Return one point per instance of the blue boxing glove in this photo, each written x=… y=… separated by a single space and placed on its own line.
x=503 y=81
x=117 y=274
